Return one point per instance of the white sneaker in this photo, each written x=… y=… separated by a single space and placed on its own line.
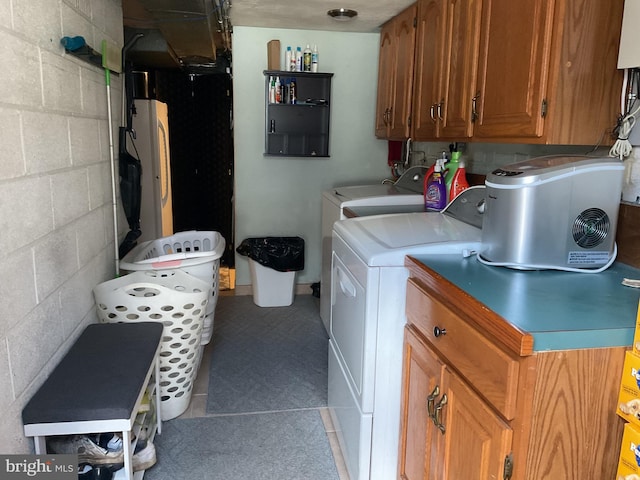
x=144 y=457
x=85 y=448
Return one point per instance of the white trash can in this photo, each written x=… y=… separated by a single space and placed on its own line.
x=270 y=287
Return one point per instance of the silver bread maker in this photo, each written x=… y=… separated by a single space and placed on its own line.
x=553 y=212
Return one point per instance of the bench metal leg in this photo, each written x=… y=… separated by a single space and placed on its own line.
x=40 y=444
x=127 y=451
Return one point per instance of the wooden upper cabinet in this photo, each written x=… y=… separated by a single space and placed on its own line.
x=430 y=48
x=541 y=71
x=395 y=76
x=515 y=55
x=460 y=67
x=386 y=66
x=402 y=91
x=548 y=71
x=446 y=68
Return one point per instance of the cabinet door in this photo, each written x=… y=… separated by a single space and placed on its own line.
x=386 y=67
x=459 y=72
x=476 y=439
x=422 y=379
x=515 y=52
x=428 y=64
x=405 y=37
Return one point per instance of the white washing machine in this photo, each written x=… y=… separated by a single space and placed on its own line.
x=407 y=190
x=368 y=318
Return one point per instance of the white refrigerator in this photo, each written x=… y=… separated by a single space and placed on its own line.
x=151 y=145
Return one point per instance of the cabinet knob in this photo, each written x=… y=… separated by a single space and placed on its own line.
x=437 y=331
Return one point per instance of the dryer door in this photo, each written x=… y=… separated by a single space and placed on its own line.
x=351 y=334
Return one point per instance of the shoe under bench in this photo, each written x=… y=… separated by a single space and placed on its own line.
x=99 y=387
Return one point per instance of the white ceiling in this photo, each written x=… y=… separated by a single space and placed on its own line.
x=312 y=14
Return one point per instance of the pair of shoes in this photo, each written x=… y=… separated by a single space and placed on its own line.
x=97 y=472
x=144 y=457
x=87 y=450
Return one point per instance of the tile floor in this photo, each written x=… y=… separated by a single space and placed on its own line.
x=198 y=405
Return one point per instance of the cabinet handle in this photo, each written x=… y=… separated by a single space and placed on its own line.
x=440 y=108
x=432 y=113
x=437 y=331
x=438 y=411
x=431 y=399
x=474 y=107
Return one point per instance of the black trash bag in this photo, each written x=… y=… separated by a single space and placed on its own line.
x=283 y=254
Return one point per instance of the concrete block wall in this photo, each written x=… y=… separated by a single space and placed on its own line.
x=56 y=213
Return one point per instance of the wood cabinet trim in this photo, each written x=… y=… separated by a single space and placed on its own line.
x=565 y=425
x=493 y=372
x=513 y=340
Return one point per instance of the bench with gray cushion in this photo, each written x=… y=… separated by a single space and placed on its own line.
x=98 y=386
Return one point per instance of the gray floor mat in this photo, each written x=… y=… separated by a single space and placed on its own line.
x=267 y=359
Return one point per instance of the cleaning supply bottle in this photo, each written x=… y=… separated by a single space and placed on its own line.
x=436 y=193
x=272 y=90
x=278 y=91
x=293 y=91
x=287 y=59
x=299 y=65
x=459 y=182
x=314 y=59
x=452 y=167
x=307 y=58
x=442 y=160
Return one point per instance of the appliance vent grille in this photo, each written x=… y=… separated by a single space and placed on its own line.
x=591 y=227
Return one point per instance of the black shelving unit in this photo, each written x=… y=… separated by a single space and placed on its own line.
x=299 y=129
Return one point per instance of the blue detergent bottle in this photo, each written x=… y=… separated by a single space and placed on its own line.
x=435 y=197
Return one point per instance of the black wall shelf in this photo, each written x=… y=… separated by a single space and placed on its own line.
x=299 y=129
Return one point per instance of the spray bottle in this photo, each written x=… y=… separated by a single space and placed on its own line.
x=436 y=193
x=442 y=160
x=459 y=182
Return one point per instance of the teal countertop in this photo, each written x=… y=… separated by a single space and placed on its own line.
x=561 y=310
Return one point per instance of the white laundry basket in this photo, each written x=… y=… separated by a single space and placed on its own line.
x=195 y=252
x=179 y=301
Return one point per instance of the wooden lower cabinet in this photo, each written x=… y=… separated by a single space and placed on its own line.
x=450 y=431
x=479 y=404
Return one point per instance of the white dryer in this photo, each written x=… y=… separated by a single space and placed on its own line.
x=368 y=318
x=407 y=190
